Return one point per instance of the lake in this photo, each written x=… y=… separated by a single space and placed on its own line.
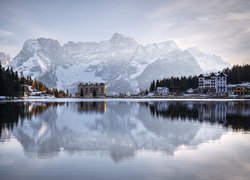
x=116 y=140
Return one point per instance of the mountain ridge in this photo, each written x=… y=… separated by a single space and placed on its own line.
x=121 y=62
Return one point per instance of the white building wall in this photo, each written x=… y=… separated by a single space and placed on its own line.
x=216 y=81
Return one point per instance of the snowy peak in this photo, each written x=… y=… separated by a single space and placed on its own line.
x=121 y=62
x=208 y=62
x=118 y=38
x=119 y=41
x=31 y=45
x=38 y=59
x=167 y=45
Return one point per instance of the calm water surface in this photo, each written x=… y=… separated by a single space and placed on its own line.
x=125 y=140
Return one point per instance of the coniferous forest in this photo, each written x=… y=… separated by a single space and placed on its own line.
x=236 y=74
x=11 y=84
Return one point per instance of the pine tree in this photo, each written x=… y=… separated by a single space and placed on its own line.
x=33 y=85
x=1 y=80
x=43 y=88
x=11 y=85
x=153 y=86
x=157 y=84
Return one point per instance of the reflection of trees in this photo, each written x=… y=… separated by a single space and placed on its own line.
x=13 y=113
x=173 y=110
x=234 y=115
x=124 y=128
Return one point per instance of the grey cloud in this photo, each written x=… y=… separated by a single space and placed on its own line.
x=218 y=26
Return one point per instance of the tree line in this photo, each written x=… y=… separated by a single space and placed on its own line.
x=236 y=74
x=12 y=84
x=175 y=84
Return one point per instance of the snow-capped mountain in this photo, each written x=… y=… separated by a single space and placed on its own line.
x=208 y=62
x=121 y=62
x=4 y=59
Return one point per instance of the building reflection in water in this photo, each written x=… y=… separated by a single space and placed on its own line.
x=92 y=107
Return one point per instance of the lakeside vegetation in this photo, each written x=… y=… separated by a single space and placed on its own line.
x=236 y=74
x=12 y=84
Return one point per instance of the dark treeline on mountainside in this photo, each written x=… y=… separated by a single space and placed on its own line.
x=236 y=74
x=175 y=83
x=11 y=84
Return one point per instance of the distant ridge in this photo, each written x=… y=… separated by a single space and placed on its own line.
x=121 y=62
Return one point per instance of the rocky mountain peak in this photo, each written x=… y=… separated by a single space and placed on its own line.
x=31 y=45
x=120 y=40
x=121 y=62
x=167 y=44
x=47 y=42
x=117 y=37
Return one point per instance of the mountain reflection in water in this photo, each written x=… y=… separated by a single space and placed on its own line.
x=119 y=128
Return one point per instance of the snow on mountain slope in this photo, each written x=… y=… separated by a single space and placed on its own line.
x=208 y=62
x=175 y=63
x=38 y=59
x=121 y=62
x=4 y=59
x=148 y=54
x=67 y=78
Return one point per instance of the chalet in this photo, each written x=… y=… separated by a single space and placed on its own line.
x=238 y=89
x=28 y=91
x=89 y=90
x=213 y=82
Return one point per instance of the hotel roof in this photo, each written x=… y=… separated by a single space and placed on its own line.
x=213 y=74
x=92 y=83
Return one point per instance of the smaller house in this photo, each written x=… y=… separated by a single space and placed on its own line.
x=162 y=91
x=28 y=91
x=238 y=89
x=190 y=91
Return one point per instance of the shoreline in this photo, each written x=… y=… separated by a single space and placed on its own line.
x=127 y=99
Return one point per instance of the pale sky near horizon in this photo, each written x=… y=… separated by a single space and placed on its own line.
x=220 y=27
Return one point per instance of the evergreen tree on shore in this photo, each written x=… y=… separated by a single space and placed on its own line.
x=11 y=84
x=237 y=74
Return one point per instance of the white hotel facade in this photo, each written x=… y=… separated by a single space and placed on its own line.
x=213 y=82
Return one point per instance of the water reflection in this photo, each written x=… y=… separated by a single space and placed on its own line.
x=230 y=114
x=92 y=107
x=120 y=129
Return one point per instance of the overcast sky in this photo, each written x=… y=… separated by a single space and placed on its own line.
x=220 y=27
